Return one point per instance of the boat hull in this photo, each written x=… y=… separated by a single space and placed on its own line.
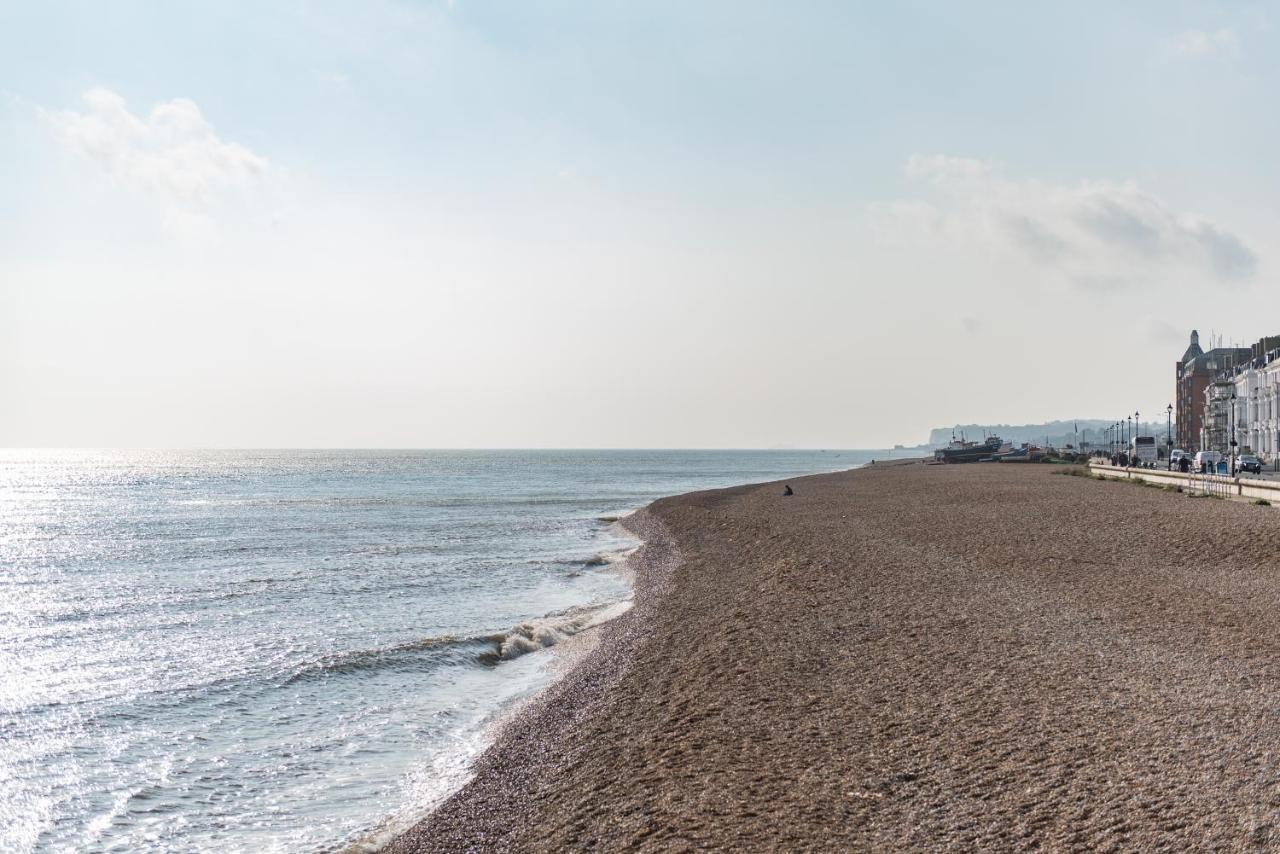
x=966 y=455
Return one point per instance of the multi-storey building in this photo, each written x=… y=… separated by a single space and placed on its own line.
x=1256 y=401
x=1194 y=373
x=1216 y=421
x=1262 y=411
x=1189 y=389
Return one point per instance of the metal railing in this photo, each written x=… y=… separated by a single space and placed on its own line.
x=1212 y=484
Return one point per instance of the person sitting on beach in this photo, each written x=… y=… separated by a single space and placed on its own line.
x=787 y=490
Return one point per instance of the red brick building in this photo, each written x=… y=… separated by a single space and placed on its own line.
x=1192 y=375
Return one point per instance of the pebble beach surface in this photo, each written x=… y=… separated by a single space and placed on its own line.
x=911 y=656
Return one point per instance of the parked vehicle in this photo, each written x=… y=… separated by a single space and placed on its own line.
x=1206 y=462
x=1247 y=462
x=1142 y=451
x=1175 y=458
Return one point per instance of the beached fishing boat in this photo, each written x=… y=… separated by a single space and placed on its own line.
x=1025 y=454
x=961 y=451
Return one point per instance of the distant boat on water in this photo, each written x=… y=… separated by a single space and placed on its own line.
x=961 y=451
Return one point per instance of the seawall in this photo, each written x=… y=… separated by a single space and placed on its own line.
x=1237 y=487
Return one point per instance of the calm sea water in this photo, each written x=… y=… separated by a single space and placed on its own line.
x=292 y=650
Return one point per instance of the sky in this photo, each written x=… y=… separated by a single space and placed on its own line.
x=621 y=224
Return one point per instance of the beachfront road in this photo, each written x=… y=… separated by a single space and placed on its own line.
x=913 y=657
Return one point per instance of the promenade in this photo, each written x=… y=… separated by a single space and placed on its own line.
x=1265 y=486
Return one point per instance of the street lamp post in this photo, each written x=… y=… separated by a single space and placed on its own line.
x=1168 y=436
x=1230 y=416
x=1136 y=431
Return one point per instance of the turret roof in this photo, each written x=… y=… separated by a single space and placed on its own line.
x=1194 y=350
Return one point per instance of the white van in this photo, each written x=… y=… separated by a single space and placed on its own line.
x=1206 y=462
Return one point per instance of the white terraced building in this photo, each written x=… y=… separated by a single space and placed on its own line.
x=1257 y=406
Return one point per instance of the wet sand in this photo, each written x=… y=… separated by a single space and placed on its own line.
x=911 y=657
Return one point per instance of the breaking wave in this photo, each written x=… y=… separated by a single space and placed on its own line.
x=605 y=558
x=487 y=650
x=422 y=654
x=550 y=630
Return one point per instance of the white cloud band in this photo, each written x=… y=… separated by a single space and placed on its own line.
x=1093 y=232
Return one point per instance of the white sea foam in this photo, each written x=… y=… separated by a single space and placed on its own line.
x=554 y=628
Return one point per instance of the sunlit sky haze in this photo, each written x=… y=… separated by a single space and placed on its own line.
x=548 y=224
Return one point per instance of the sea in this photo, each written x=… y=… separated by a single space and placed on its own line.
x=295 y=650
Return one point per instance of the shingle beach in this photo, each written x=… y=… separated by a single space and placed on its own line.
x=911 y=657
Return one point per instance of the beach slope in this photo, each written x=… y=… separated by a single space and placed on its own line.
x=911 y=656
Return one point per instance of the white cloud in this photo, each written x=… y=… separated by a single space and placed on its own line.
x=908 y=222
x=173 y=153
x=1202 y=43
x=1099 y=234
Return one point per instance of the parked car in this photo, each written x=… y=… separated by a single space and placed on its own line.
x=1247 y=462
x=1206 y=462
x=1175 y=458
